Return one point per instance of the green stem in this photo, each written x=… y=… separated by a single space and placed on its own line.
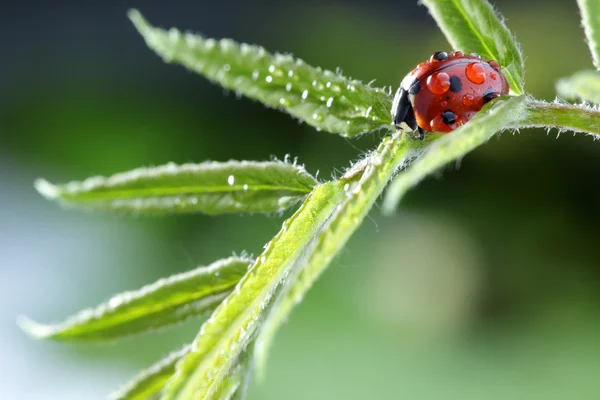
x=361 y=194
x=539 y=114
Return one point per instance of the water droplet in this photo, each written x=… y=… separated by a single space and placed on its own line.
x=329 y=102
x=438 y=83
x=288 y=87
x=328 y=84
x=322 y=98
x=317 y=117
x=468 y=100
x=255 y=75
x=231 y=180
x=226 y=67
x=290 y=73
x=347 y=187
x=245 y=187
x=476 y=73
x=494 y=64
x=317 y=85
x=216 y=273
x=284 y=102
x=305 y=95
x=271 y=68
x=269 y=79
x=368 y=111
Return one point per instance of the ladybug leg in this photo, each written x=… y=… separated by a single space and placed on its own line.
x=421 y=132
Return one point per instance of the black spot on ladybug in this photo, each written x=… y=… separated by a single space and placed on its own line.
x=415 y=87
x=440 y=56
x=489 y=95
x=455 y=84
x=448 y=117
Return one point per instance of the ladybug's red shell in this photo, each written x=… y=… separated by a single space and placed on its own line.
x=445 y=92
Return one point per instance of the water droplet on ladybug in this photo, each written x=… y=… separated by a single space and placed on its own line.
x=493 y=76
x=468 y=100
x=494 y=64
x=438 y=83
x=475 y=73
x=444 y=103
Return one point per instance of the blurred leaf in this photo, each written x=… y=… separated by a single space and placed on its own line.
x=231 y=327
x=539 y=114
x=210 y=188
x=323 y=99
x=169 y=300
x=474 y=26
x=590 y=18
x=149 y=383
x=377 y=169
x=583 y=85
x=451 y=147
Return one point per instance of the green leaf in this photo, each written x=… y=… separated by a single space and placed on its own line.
x=583 y=85
x=323 y=99
x=590 y=17
x=235 y=384
x=149 y=383
x=474 y=26
x=374 y=171
x=231 y=327
x=210 y=188
x=169 y=300
x=539 y=114
x=455 y=145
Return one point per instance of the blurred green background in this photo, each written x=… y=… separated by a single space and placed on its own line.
x=485 y=285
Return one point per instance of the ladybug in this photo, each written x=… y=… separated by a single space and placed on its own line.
x=445 y=92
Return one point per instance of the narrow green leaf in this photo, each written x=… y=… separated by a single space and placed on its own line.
x=167 y=301
x=210 y=188
x=149 y=383
x=455 y=145
x=474 y=26
x=583 y=85
x=590 y=17
x=376 y=170
x=539 y=114
x=226 y=333
x=323 y=99
x=235 y=384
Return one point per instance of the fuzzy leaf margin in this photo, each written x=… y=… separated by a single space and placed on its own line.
x=323 y=99
x=167 y=301
x=210 y=188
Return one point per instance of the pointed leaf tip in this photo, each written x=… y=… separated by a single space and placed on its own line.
x=46 y=189
x=32 y=328
x=167 y=301
x=323 y=99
